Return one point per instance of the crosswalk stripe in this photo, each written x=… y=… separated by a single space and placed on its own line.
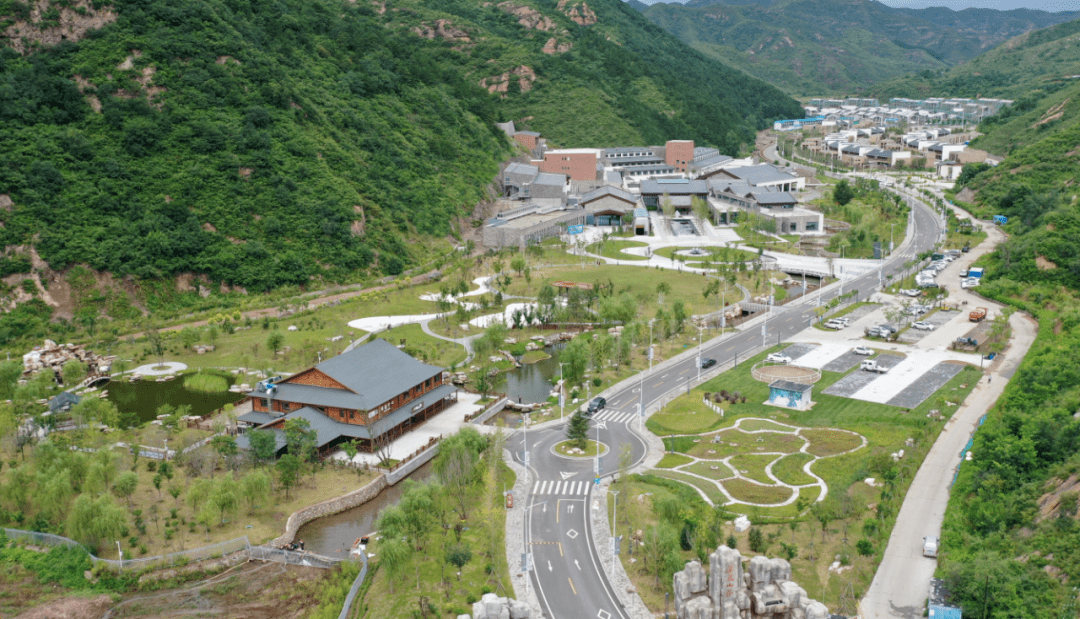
x=544 y=490
x=581 y=490
x=558 y=487
x=536 y=488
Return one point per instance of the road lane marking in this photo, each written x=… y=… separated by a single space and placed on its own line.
x=560 y=548
x=572 y=587
x=577 y=564
x=567 y=474
x=684 y=371
x=657 y=385
x=550 y=569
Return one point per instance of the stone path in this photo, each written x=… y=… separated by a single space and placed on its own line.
x=737 y=474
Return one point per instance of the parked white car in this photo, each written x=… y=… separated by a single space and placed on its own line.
x=862 y=350
x=833 y=324
x=922 y=325
x=778 y=358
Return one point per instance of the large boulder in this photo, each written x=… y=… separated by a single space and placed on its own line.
x=816 y=610
x=700 y=607
x=725 y=576
x=519 y=610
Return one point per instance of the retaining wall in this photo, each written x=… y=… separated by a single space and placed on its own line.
x=403 y=471
x=328 y=508
x=495 y=409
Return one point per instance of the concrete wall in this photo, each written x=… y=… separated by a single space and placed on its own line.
x=328 y=508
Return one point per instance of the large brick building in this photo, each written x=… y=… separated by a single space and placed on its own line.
x=369 y=394
x=578 y=164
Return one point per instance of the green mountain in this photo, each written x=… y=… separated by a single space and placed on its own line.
x=817 y=47
x=1037 y=60
x=1011 y=526
x=270 y=143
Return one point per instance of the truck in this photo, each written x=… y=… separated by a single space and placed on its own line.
x=976 y=272
x=872 y=366
x=977 y=314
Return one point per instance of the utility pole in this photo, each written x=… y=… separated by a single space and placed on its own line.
x=562 y=391
x=651 y=344
x=700 y=327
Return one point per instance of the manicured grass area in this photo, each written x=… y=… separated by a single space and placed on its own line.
x=613 y=249
x=714 y=254
x=534 y=356
x=424 y=347
x=753 y=466
x=705 y=469
x=789 y=469
x=750 y=492
x=708 y=488
x=670 y=461
x=689 y=418
x=750 y=425
x=748 y=443
x=564 y=448
x=825 y=442
x=206 y=383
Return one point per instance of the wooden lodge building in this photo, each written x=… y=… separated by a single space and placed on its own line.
x=369 y=394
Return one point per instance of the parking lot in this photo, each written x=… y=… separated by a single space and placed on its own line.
x=913 y=335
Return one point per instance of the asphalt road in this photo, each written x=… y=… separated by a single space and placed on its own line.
x=566 y=570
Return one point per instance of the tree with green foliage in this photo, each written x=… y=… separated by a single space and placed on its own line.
x=125 y=485
x=660 y=552
x=224 y=497
x=458 y=555
x=254 y=488
x=96 y=521
x=73 y=373
x=577 y=431
x=576 y=359
x=843 y=193
x=263 y=445
x=157 y=344
x=288 y=468
x=225 y=445
x=274 y=342
x=300 y=439
x=198 y=491
x=518 y=264
x=394 y=555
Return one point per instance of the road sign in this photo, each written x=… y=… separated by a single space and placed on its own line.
x=650 y=353
x=597 y=481
x=578 y=229
x=526 y=562
x=1001 y=219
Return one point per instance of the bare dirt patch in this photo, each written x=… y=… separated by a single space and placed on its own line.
x=1044 y=264
x=1051 y=503
x=71 y=608
x=529 y=17
x=33 y=31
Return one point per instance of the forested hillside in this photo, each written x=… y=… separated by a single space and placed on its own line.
x=1044 y=59
x=1011 y=539
x=271 y=143
x=823 y=47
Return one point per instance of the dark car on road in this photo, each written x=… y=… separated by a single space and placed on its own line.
x=707 y=363
x=596 y=405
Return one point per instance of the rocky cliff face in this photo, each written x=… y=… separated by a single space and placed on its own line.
x=761 y=590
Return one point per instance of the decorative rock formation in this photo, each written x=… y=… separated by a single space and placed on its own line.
x=763 y=590
x=492 y=606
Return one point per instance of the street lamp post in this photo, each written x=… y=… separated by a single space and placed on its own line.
x=700 y=327
x=651 y=343
x=121 y=556
x=562 y=391
x=598 y=450
x=614 y=526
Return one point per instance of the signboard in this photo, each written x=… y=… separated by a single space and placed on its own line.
x=650 y=353
x=578 y=229
x=1001 y=219
x=877 y=250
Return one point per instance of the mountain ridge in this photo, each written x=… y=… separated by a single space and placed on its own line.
x=814 y=47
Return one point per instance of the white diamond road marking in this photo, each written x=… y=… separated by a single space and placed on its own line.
x=572 y=534
x=603 y=614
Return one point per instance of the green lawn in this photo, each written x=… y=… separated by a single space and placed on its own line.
x=753 y=466
x=750 y=492
x=738 y=442
x=789 y=469
x=705 y=469
x=670 y=461
x=424 y=347
x=708 y=488
x=751 y=425
x=613 y=249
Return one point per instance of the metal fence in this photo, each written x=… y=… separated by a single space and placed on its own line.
x=355 y=589
x=291 y=557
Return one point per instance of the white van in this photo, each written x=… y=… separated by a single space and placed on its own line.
x=930 y=546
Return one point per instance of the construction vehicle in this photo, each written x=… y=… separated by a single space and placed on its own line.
x=977 y=314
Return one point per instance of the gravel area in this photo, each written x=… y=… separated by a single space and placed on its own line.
x=917 y=392
x=852 y=383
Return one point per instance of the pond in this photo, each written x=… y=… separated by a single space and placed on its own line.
x=683 y=227
x=333 y=536
x=532 y=382
x=146 y=396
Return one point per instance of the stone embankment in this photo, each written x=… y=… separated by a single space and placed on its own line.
x=329 y=508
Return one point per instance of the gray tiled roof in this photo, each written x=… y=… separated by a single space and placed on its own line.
x=321 y=396
x=758 y=174
x=688 y=187
x=774 y=197
x=532 y=133
x=377 y=371
x=279 y=440
x=256 y=417
x=715 y=159
x=547 y=178
x=521 y=168
x=787 y=385
x=608 y=191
